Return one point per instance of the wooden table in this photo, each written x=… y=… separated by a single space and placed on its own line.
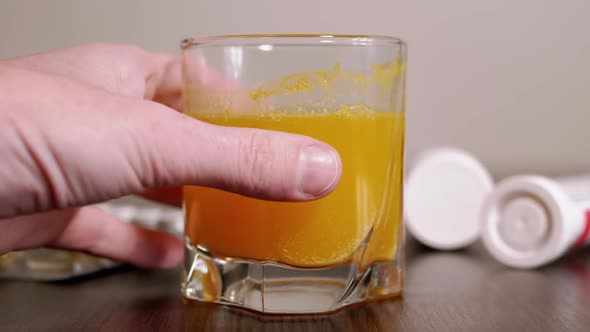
x=445 y=291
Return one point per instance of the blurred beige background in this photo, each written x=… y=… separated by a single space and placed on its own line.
x=506 y=80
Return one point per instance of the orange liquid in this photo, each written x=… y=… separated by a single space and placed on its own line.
x=323 y=232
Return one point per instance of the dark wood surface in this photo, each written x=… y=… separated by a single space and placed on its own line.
x=445 y=291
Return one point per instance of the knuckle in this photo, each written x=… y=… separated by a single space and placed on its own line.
x=256 y=161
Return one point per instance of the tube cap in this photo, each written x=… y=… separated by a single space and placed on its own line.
x=444 y=193
x=525 y=221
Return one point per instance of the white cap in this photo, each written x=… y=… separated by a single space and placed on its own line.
x=525 y=221
x=444 y=193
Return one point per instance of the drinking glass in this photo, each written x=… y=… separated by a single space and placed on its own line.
x=300 y=257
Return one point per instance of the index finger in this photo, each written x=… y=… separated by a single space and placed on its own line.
x=122 y=69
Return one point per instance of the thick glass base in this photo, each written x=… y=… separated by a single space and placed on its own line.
x=282 y=289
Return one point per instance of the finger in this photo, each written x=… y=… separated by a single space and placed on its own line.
x=252 y=162
x=206 y=90
x=122 y=69
x=93 y=231
x=131 y=71
x=163 y=79
x=100 y=233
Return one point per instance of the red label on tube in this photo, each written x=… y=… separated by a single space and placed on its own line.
x=585 y=233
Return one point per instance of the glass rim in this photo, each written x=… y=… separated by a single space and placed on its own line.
x=287 y=39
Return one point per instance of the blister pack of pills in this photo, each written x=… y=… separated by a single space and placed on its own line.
x=45 y=264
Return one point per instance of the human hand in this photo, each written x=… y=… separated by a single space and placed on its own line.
x=96 y=122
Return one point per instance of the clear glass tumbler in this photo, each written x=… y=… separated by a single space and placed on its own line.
x=312 y=257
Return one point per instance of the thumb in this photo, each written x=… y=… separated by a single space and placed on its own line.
x=253 y=162
x=101 y=146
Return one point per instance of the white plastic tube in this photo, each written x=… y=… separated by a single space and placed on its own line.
x=529 y=220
